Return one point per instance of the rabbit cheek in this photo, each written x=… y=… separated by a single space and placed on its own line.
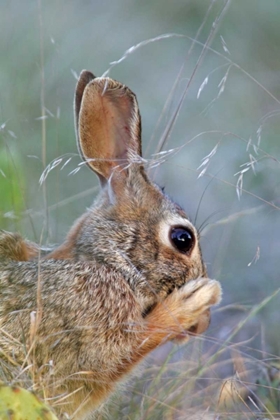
x=180 y=269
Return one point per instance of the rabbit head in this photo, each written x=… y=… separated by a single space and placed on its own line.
x=133 y=227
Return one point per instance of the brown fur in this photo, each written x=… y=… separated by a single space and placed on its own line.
x=117 y=288
x=14 y=247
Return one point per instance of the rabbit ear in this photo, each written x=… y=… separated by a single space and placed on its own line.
x=84 y=79
x=108 y=125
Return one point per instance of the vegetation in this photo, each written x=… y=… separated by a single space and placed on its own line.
x=17 y=403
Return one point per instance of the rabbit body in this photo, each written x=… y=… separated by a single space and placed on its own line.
x=119 y=286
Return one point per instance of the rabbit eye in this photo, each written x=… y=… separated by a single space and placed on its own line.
x=182 y=239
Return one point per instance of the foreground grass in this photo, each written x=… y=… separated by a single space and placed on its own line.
x=210 y=377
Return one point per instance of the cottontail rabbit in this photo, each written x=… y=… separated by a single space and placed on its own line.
x=128 y=277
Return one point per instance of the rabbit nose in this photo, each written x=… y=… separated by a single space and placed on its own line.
x=202 y=324
x=198 y=328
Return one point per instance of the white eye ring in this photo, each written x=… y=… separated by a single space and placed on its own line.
x=166 y=225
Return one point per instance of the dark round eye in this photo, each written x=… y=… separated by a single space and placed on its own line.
x=182 y=238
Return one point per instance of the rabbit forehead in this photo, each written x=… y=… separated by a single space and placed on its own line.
x=177 y=219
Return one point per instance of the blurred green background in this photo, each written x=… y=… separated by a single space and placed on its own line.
x=231 y=108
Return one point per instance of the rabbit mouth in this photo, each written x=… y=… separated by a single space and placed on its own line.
x=196 y=329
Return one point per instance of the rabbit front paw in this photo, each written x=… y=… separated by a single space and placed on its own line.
x=199 y=294
x=186 y=310
x=195 y=299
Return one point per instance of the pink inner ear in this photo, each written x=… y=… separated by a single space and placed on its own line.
x=117 y=132
x=109 y=125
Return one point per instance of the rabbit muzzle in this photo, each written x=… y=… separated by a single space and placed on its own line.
x=197 y=329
